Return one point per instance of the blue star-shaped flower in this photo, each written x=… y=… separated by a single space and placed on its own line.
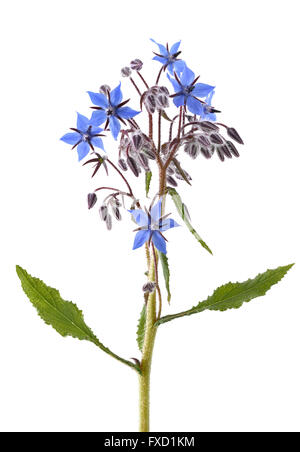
x=187 y=90
x=111 y=109
x=168 y=57
x=152 y=224
x=85 y=137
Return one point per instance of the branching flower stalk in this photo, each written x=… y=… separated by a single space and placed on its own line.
x=194 y=131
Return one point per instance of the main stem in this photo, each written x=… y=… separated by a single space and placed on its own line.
x=150 y=333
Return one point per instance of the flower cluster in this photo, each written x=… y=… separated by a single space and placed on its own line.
x=192 y=129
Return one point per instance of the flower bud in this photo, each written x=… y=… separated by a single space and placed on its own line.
x=116 y=212
x=108 y=222
x=126 y=71
x=103 y=212
x=226 y=151
x=206 y=152
x=143 y=161
x=149 y=287
x=220 y=154
x=208 y=126
x=215 y=138
x=149 y=153
x=150 y=103
x=136 y=64
x=91 y=199
x=162 y=101
x=104 y=89
x=203 y=140
x=122 y=164
x=133 y=166
x=232 y=133
x=172 y=181
x=232 y=149
x=137 y=141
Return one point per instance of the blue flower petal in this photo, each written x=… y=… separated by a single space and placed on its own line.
x=98 y=99
x=71 y=138
x=162 y=60
x=176 y=86
x=187 y=76
x=115 y=126
x=156 y=212
x=126 y=112
x=96 y=141
x=95 y=130
x=169 y=223
x=116 y=96
x=82 y=122
x=140 y=238
x=209 y=97
x=140 y=217
x=202 y=90
x=179 y=100
x=194 y=106
x=175 y=47
x=98 y=117
x=159 y=242
x=83 y=149
x=179 y=66
x=162 y=49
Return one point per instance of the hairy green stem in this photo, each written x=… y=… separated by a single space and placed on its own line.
x=144 y=377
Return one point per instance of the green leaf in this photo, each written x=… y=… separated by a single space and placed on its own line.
x=141 y=328
x=233 y=295
x=182 y=212
x=148 y=177
x=63 y=316
x=165 y=267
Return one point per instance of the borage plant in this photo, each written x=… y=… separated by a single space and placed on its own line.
x=192 y=129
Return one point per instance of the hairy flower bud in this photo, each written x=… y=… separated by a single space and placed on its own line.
x=232 y=133
x=104 y=89
x=108 y=222
x=203 y=140
x=172 y=181
x=149 y=287
x=136 y=64
x=122 y=164
x=232 y=149
x=162 y=101
x=137 y=141
x=206 y=152
x=103 y=212
x=149 y=153
x=116 y=212
x=208 y=126
x=91 y=199
x=126 y=71
x=150 y=103
x=226 y=151
x=133 y=166
x=215 y=138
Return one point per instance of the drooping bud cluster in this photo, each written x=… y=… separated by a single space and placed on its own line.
x=135 y=150
x=205 y=138
x=109 y=209
x=156 y=99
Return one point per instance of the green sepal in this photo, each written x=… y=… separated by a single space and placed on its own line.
x=233 y=295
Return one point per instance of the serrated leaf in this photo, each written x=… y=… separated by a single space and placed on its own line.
x=140 y=334
x=233 y=295
x=166 y=272
x=63 y=316
x=148 y=177
x=181 y=210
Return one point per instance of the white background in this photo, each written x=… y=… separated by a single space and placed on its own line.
x=233 y=371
